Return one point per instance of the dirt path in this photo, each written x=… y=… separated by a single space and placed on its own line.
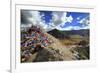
x=64 y=50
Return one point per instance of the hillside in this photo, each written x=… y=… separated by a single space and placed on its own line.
x=67 y=34
x=77 y=41
x=40 y=46
x=53 y=52
x=45 y=48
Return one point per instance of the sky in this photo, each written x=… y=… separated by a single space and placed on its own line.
x=60 y=20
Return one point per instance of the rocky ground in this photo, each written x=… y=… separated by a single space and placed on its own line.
x=39 y=46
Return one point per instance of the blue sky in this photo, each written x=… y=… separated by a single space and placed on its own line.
x=47 y=16
x=76 y=16
x=60 y=20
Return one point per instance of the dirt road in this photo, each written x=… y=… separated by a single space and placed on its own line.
x=64 y=50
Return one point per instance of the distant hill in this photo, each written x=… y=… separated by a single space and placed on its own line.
x=66 y=34
x=58 y=34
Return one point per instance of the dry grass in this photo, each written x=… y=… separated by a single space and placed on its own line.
x=74 y=40
x=70 y=41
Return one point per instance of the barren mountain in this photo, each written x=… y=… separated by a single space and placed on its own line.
x=39 y=46
x=56 y=51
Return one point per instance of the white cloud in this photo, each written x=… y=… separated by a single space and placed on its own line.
x=78 y=18
x=82 y=20
x=34 y=19
x=60 y=18
x=85 y=21
x=72 y=28
x=24 y=27
x=69 y=19
x=64 y=18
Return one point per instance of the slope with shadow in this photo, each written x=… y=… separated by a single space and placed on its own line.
x=56 y=51
x=39 y=46
x=66 y=34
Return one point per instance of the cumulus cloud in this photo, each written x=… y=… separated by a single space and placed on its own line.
x=24 y=17
x=69 y=19
x=85 y=21
x=57 y=17
x=60 y=18
x=35 y=19
x=29 y=18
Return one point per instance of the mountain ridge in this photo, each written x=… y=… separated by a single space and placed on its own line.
x=66 y=34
